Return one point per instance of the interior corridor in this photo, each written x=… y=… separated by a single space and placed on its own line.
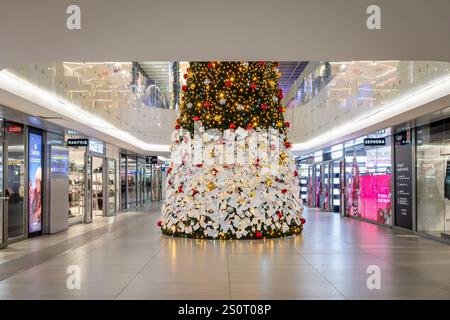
x=126 y=257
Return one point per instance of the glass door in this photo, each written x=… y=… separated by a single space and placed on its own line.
x=325 y=198
x=88 y=193
x=318 y=185
x=111 y=186
x=97 y=189
x=15 y=182
x=3 y=202
x=446 y=231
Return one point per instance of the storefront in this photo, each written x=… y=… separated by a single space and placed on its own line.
x=22 y=179
x=321 y=179
x=92 y=178
x=368 y=175
x=433 y=177
x=353 y=178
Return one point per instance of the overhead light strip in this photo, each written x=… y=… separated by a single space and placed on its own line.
x=426 y=94
x=24 y=89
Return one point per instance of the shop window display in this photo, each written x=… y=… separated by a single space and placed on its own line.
x=433 y=177
x=76 y=185
x=368 y=180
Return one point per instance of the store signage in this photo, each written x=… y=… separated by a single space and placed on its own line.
x=403 y=180
x=152 y=160
x=96 y=146
x=77 y=142
x=35 y=183
x=374 y=142
x=14 y=129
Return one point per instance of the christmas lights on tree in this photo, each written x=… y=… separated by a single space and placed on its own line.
x=216 y=199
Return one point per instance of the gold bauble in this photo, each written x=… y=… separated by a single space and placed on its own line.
x=192 y=86
x=278 y=74
x=217 y=117
x=279 y=124
x=272 y=83
x=211 y=186
x=283 y=156
x=252 y=194
x=269 y=182
x=190 y=74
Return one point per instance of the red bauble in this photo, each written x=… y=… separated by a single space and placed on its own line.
x=206 y=104
x=228 y=83
x=169 y=170
x=279 y=214
x=184 y=88
x=261 y=63
x=177 y=126
x=280 y=95
x=196 y=118
x=210 y=65
x=280 y=109
x=232 y=126
x=180 y=189
x=287 y=124
x=249 y=127
x=303 y=220
x=258 y=235
x=264 y=106
x=253 y=86
x=188 y=69
x=159 y=223
x=276 y=64
x=185 y=75
x=295 y=173
x=194 y=192
x=199 y=165
x=284 y=191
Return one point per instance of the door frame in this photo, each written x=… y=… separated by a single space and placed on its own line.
x=25 y=177
x=106 y=183
x=87 y=189
x=4 y=199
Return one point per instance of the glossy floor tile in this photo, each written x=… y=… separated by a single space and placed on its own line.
x=126 y=257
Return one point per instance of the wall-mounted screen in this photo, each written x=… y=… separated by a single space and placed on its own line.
x=34 y=182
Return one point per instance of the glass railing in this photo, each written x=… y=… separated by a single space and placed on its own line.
x=365 y=83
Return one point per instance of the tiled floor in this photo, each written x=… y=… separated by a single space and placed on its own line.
x=132 y=260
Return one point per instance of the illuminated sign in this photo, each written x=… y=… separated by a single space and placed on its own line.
x=374 y=142
x=96 y=146
x=77 y=142
x=35 y=183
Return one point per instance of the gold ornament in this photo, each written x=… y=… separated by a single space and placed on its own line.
x=217 y=117
x=192 y=86
x=279 y=124
x=269 y=182
x=211 y=186
x=278 y=74
x=283 y=156
x=272 y=83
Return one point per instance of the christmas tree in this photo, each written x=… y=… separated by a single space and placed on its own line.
x=245 y=185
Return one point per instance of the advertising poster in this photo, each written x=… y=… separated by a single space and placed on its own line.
x=35 y=183
x=369 y=195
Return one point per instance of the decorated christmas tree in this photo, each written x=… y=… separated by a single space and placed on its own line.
x=232 y=175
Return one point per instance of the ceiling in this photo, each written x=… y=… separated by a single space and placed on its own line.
x=290 y=71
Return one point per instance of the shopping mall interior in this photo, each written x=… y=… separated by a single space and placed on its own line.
x=228 y=170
